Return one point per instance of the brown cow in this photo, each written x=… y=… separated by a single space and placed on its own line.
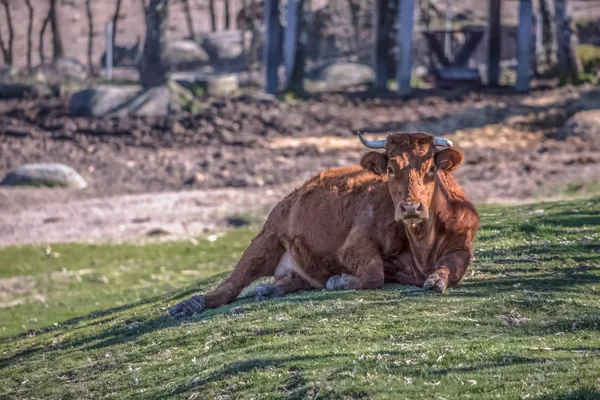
x=399 y=217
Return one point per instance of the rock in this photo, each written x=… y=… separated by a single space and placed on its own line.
x=71 y=68
x=584 y=125
x=211 y=84
x=19 y=91
x=222 y=45
x=61 y=69
x=44 y=174
x=340 y=75
x=7 y=73
x=109 y=100
x=184 y=54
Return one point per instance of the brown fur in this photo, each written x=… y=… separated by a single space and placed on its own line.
x=341 y=227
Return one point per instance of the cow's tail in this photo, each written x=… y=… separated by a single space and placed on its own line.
x=259 y=260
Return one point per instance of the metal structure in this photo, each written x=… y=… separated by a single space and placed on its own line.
x=406 y=11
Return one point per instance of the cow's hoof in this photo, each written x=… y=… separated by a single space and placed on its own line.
x=187 y=308
x=268 y=291
x=435 y=282
x=341 y=282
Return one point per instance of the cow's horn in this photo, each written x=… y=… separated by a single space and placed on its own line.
x=372 y=144
x=441 y=142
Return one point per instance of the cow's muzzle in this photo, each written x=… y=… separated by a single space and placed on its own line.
x=410 y=212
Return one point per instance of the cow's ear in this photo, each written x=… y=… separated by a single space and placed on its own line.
x=448 y=159
x=374 y=161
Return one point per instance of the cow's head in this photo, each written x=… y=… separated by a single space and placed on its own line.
x=411 y=162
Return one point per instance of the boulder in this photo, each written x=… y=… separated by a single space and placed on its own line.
x=584 y=125
x=44 y=174
x=106 y=100
x=20 y=91
x=61 y=69
x=222 y=45
x=184 y=54
x=340 y=75
x=218 y=85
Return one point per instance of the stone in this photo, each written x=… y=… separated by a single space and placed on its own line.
x=59 y=70
x=340 y=75
x=44 y=174
x=584 y=125
x=218 y=85
x=186 y=54
x=222 y=45
x=106 y=100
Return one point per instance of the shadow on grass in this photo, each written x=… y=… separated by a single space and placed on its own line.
x=585 y=393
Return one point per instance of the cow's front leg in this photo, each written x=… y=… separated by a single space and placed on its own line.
x=361 y=257
x=449 y=270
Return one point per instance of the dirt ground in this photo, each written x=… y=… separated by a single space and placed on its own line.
x=186 y=174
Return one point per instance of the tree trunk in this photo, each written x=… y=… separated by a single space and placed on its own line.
x=227 y=12
x=29 y=32
x=90 y=48
x=567 y=61
x=548 y=33
x=188 y=18
x=57 y=46
x=295 y=81
x=7 y=51
x=213 y=18
x=153 y=69
x=42 y=31
x=115 y=22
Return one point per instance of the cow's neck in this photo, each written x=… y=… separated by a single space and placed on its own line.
x=423 y=238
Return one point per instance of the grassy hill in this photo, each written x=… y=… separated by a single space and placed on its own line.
x=89 y=321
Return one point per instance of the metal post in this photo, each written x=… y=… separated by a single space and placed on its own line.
x=109 y=50
x=405 y=36
x=525 y=36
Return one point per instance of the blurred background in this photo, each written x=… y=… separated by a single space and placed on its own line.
x=163 y=118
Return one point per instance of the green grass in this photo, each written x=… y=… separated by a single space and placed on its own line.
x=523 y=324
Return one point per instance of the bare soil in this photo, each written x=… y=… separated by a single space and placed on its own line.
x=186 y=173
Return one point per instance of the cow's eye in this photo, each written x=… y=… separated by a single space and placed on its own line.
x=390 y=172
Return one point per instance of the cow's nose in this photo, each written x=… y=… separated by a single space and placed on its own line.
x=411 y=210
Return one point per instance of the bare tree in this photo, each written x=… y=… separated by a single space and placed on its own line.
x=29 y=32
x=568 y=66
x=42 y=32
x=188 y=17
x=90 y=48
x=7 y=50
x=227 y=12
x=548 y=32
x=213 y=18
x=115 y=21
x=57 y=45
x=153 y=69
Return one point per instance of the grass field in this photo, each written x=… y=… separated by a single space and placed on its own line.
x=89 y=321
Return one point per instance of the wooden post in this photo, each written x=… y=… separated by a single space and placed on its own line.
x=382 y=44
x=272 y=45
x=524 y=45
x=405 y=36
x=494 y=43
